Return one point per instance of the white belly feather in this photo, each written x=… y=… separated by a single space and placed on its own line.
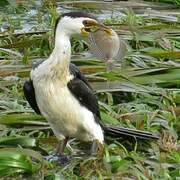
x=64 y=112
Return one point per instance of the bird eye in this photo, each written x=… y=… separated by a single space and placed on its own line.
x=85 y=22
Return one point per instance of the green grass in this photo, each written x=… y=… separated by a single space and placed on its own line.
x=143 y=94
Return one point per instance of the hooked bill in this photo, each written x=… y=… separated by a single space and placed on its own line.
x=107 y=46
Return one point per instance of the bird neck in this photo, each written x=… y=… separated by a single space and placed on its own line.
x=60 y=57
x=62 y=44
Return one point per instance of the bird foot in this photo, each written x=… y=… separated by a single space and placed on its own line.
x=97 y=149
x=110 y=65
x=63 y=160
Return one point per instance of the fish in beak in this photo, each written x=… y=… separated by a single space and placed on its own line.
x=94 y=26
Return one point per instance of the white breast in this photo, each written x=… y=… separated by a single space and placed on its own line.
x=64 y=112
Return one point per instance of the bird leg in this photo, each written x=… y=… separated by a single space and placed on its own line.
x=97 y=148
x=61 y=146
x=110 y=65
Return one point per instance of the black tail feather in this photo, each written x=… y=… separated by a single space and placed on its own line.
x=120 y=131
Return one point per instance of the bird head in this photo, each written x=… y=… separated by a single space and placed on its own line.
x=77 y=23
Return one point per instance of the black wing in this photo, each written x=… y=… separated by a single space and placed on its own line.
x=85 y=95
x=30 y=95
x=80 y=88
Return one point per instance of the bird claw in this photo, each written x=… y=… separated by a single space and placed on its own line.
x=63 y=160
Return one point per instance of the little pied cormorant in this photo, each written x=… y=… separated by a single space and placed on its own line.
x=59 y=91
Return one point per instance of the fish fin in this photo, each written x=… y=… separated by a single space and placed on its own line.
x=94 y=49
